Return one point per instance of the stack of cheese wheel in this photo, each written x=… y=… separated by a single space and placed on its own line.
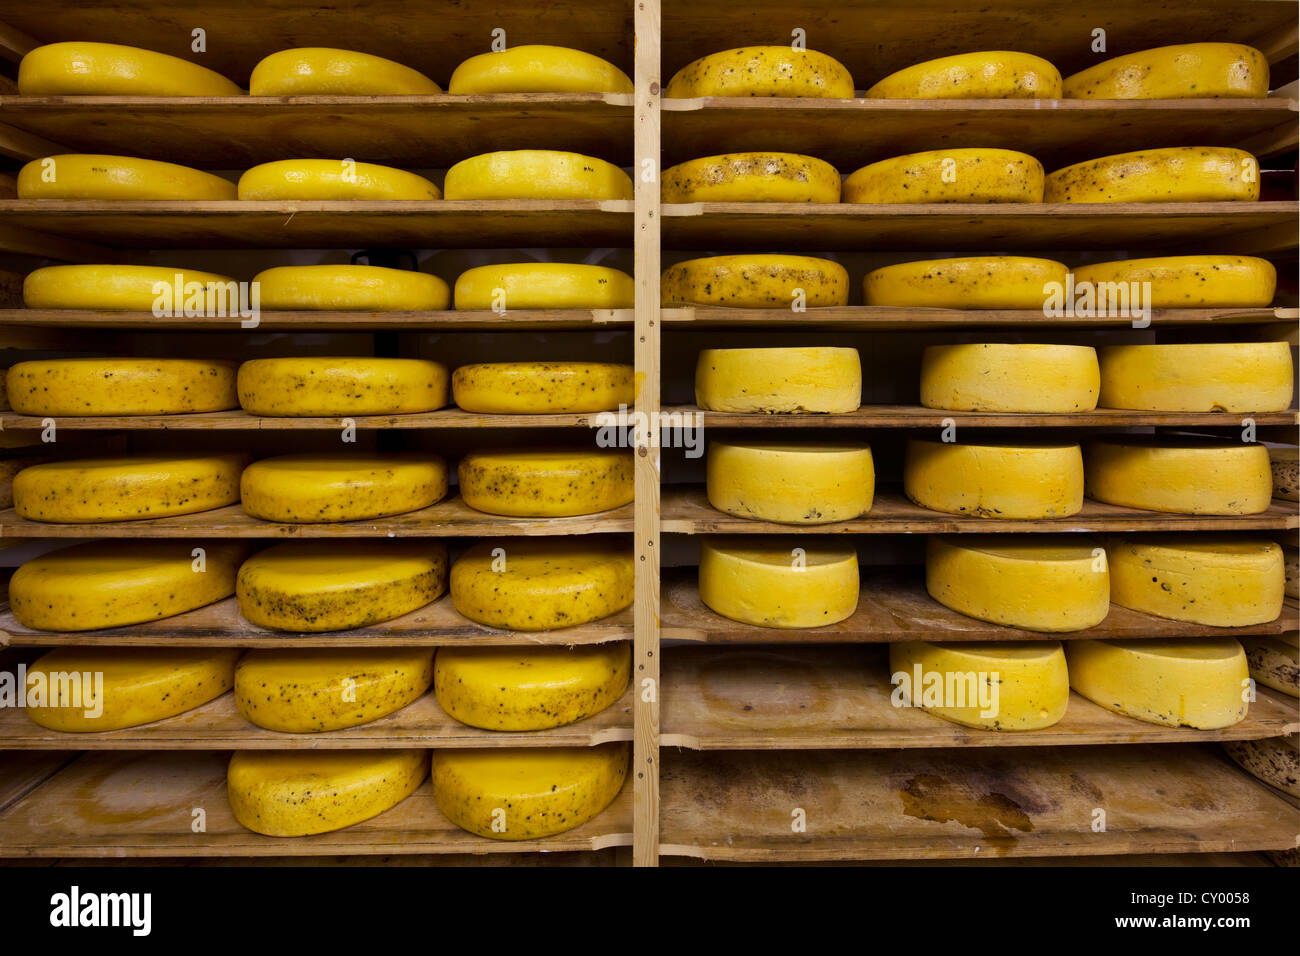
x=1179 y=475
x=752 y=177
x=331 y=179
x=546 y=482
x=791 y=482
x=536 y=174
x=538 y=68
x=756 y=281
x=779 y=380
x=1174 y=174
x=121 y=386
x=1024 y=480
x=971 y=282
x=782 y=582
x=762 y=71
x=1226 y=377
x=989 y=74
x=126 y=288
x=947 y=176
x=357 y=288
x=341 y=386
x=311 y=489
x=96 y=176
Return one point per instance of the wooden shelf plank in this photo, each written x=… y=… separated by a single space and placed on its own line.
x=966 y=803
x=141 y=804
x=239 y=420
x=838 y=698
x=448 y=321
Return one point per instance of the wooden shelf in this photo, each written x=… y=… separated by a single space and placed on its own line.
x=449 y=321
x=966 y=804
x=686 y=510
x=141 y=804
x=240 y=420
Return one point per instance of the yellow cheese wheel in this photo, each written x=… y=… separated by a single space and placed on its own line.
x=351 y=288
x=537 y=68
x=308 y=179
x=338 y=585
x=817 y=379
x=1176 y=174
x=992 y=74
x=121 y=386
x=309 y=488
x=543 y=285
x=1181 y=476
x=110 y=69
x=1186 y=70
x=1195 y=377
x=972 y=282
x=1191 y=282
x=114 y=287
x=111 y=583
x=1204 y=579
x=1002 y=685
x=763 y=71
x=546 y=482
x=1181 y=683
x=752 y=177
x=96 y=176
x=88 y=689
x=538 y=584
x=122 y=489
x=1010 y=378
x=1051 y=583
x=949 y=175
x=1285 y=466
x=299 y=792
x=793 y=483
x=756 y=282
x=530 y=688
x=341 y=386
x=525 y=794
x=312 y=689
x=323 y=71
x=536 y=388
x=784 y=582
x=536 y=174
x=995 y=481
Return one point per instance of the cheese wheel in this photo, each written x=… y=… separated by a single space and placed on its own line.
x=525 y=794
x=1275 y=760
x=539 y=584
x=287 y=793
x=338 y=585
x=972 y=282
x=328 y=179
x=992 y=74
x=790 y=582
x=1180 y=683
x=1176 y=174
x=121 y=386
x=1179 y=476
x=1046 y=583
x=536 y=174
x=349 y=288
x=126 y=288
x=1204 y=579
x=779 y=380
x=530 y=688
x=763 y=71
x=538 y=388
x=88 y=689
x=307 y=488
x=543 y=285
x=995 y=481
x=341 y=386
x=1195 y=377
x=110 y=69
x=1284 y=463
x=96 y=176
x=312 y=689
x=1191 y=282
x=546 y=483
x=1291 y=565
x=1002 y=685
x=752 y=177
x=121 y=489
x=1010 y=378
x=1186 y=70
x=793 y=483
x=537 y=68
x=112 y=583
x=949 y=175
x=1274 y=663
x=324 y=71
x=756 y=282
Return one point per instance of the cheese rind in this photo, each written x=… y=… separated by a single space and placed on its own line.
x=1199 y=70
x=1191 y=282
x=949 y=175
x=793 y=483
x=1274 y=663
x=111 y=69
x=1010 y=378
x=97 y=176
x=1197 y=377
x=526 y=794
x=972 y=282
x=755 y=282
x=994 y=74
x=121 y=386
x=111 y=287
x=1179 y=476
x=306 y=488
x=776 y=380
x=1179 y=683
x=1284 y=463
x=341 y=386
x=324 y=71
x=536 y=174
x=539 y=388
x=994 y=481
x=791 y=582
x=538 y=68
x=543 y=285
x=1175 y=174
x=351 y=288
x=752 y=177
x=763 y=71
x=1275 y=760
x=329 y=179
x=546 y=483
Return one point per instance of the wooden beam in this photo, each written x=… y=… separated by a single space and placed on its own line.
x=21 y=145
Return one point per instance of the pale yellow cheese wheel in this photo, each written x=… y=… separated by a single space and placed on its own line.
x=539 y=388
x=752 y=177
x=995 y=481
x=121 y=386
x=1174 y=174
x=970 y=282
x=972 y=175
x=341 y=386
x=756 y=281
x=1181 y=476
x=814 y=379
x=791 y=482
x=1010 y=377
x=991 y=74
x=308 y=488
x=546 y=482
x=779 y=582
x=763 y=71
x=1185 y=70
x=1197 y=377
x=1190 y=282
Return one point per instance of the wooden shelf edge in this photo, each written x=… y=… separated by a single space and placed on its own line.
x=445 y=321
x=884 y=318
x=1037 y=108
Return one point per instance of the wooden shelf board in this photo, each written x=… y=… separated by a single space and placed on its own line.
x=140 y=805
x=447 y=321
x=966 y=803
x=838 y=698
x=239 y=420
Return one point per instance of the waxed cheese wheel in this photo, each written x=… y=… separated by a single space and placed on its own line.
x=752 y=177
x=324 y=71
x=991 y=74
x=1198 y=377
x=1010 y=378
x=995 y=481
x=790 y=482
x=763 y=71
x=351 y=288
x=307 y=488
x=971 y=282
x=114 y=287
x=97 y=176
x=774 y=380
x=546 y=483
x=341 y=386
x=756 y=282
x=1185 y=70
x=536 y=174
x=543 y=285
x=329 y=179
x=1175 y=174
x=539 y=388
x=112 y=69
x=949 y=175
x=538 y=68
x=121 y=386
x=1190 y=282
x=1180 y=476
x=779 y=582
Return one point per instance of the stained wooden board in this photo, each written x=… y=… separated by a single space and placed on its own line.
x=21 y=773
x=686 y=510
x=834 y=698
x=894 y=606
x=966 y=803
x=240 y=420
x=447 y=321
x=141 y=804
